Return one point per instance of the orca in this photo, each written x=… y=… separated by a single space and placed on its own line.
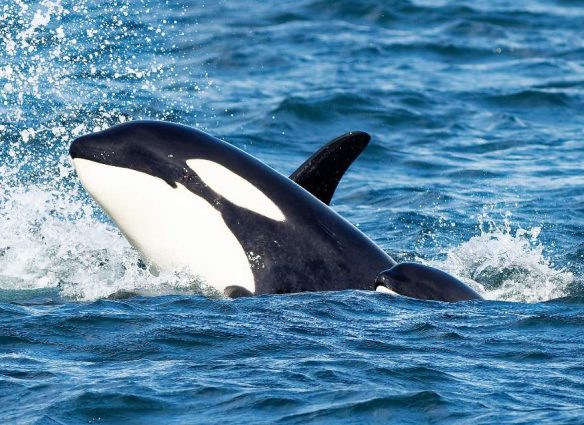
x=424 y=282
x=190 y=202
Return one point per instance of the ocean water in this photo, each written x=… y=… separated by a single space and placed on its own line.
x=475 y=166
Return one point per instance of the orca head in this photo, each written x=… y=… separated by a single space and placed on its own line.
x=423 y=282
x=163 y=184
x=153 y=148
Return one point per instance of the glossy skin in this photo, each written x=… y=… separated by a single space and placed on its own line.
x=314 y=249
x=425 y=283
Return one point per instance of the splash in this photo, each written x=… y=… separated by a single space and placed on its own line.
x=508 y=264
x=64 y=66
x=54 y=240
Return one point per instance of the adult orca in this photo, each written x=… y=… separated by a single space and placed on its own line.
x=188 y=201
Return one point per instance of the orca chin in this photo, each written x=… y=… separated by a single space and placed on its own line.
x=425 y=283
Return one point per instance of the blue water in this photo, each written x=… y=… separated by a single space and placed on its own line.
x=475 y=166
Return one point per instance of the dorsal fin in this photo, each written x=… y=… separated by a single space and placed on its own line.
x=320 y=174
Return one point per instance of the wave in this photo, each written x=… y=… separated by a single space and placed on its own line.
x=533 y=98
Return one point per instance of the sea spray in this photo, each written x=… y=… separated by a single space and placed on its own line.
x=507 y=262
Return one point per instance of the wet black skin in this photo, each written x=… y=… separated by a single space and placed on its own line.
x=314 y=249
x=425 y=283
x=321 y=173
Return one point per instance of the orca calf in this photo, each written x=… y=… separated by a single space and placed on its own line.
x=188 y=201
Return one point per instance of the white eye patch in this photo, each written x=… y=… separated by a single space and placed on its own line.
x=235 y=188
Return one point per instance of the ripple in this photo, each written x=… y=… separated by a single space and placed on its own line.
x=320 y=108
x=426 y=402
x=534 y=99
x=27 y=375
x=550 y=320
x=93 y=406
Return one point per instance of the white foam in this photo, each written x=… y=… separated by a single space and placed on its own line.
x=49 y=234
x=509 y=262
